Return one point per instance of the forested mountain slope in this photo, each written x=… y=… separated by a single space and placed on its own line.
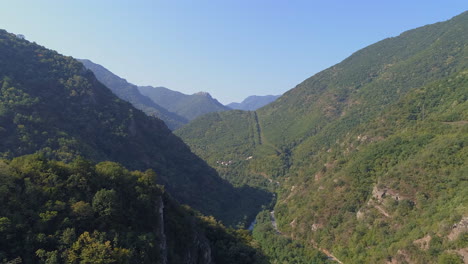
x=52 y=104
x=188 y=106
x=130 y=93
x=370 y=155
x=80 y=212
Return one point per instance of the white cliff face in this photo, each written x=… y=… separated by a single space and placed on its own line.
x=196 y=249
x=162 y=234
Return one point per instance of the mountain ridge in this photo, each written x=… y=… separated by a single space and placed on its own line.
x=188 y=106
x=253 y=102
x=129 y=92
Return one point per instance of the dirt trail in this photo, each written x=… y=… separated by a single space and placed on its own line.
x=323 y=250
x=326 y=252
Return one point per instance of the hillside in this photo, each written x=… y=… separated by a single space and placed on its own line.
x=253 y=102
x=370 y=156
x=129 y=92
x=51 y=104
x=187 y=106
x=80 y=212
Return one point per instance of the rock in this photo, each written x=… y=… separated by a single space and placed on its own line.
x=423 y=243
x=458 y=228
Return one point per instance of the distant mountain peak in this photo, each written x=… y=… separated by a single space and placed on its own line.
x=253 y=102
x=207 y=94
x=187 y=106
x=130 y=92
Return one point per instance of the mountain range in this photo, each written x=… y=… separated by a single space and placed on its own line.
x=368 y=158
x=174 y=108
x=187 y=106
x=130 y=93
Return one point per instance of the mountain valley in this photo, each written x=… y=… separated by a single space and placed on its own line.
x=363 y=162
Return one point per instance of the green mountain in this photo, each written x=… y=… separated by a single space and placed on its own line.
x=253 y=102
x=188 y=106
x=129 y=92
x=80 y=212
x=368 y=158
x=52 y=104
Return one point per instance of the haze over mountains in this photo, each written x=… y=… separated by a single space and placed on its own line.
x=174 y=108
x=188 y=106
x=130 y=93
x=364 y=162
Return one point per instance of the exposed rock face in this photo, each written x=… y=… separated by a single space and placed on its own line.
x=181 y=238
x=162 y=234
x=379 y=194
x=200 y=253
x=458 y=228
x=423 y=243
x=463 y=252
x=401 y=257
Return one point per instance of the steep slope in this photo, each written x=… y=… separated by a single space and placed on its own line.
x=188 y=106
x=370 y=154
x=129 y=92
x=50 y=103
x=52 y=212
x=253 y=102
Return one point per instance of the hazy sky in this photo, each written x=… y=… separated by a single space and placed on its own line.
x=229 y=48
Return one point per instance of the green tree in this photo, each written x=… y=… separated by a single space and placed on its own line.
x=105 y=203
x=91 y=248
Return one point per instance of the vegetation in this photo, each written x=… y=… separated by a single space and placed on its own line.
x=188 y=106
x=52 y=212
x=370 y=155
x=282 y=249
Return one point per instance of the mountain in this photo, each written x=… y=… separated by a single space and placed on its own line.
x=253 y=102
x=368 y=158
x=80 y=212
x=187 y=106
x=129 y=92
x=53 y=105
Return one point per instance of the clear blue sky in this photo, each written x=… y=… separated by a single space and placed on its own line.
x=229 y=48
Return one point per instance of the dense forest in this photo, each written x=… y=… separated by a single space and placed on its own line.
x=368 y=158
x=80 y=212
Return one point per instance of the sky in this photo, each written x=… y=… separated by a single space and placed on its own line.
x=229 y=48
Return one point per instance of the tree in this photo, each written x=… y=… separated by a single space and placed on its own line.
x=91 y=248
x=105 y=202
